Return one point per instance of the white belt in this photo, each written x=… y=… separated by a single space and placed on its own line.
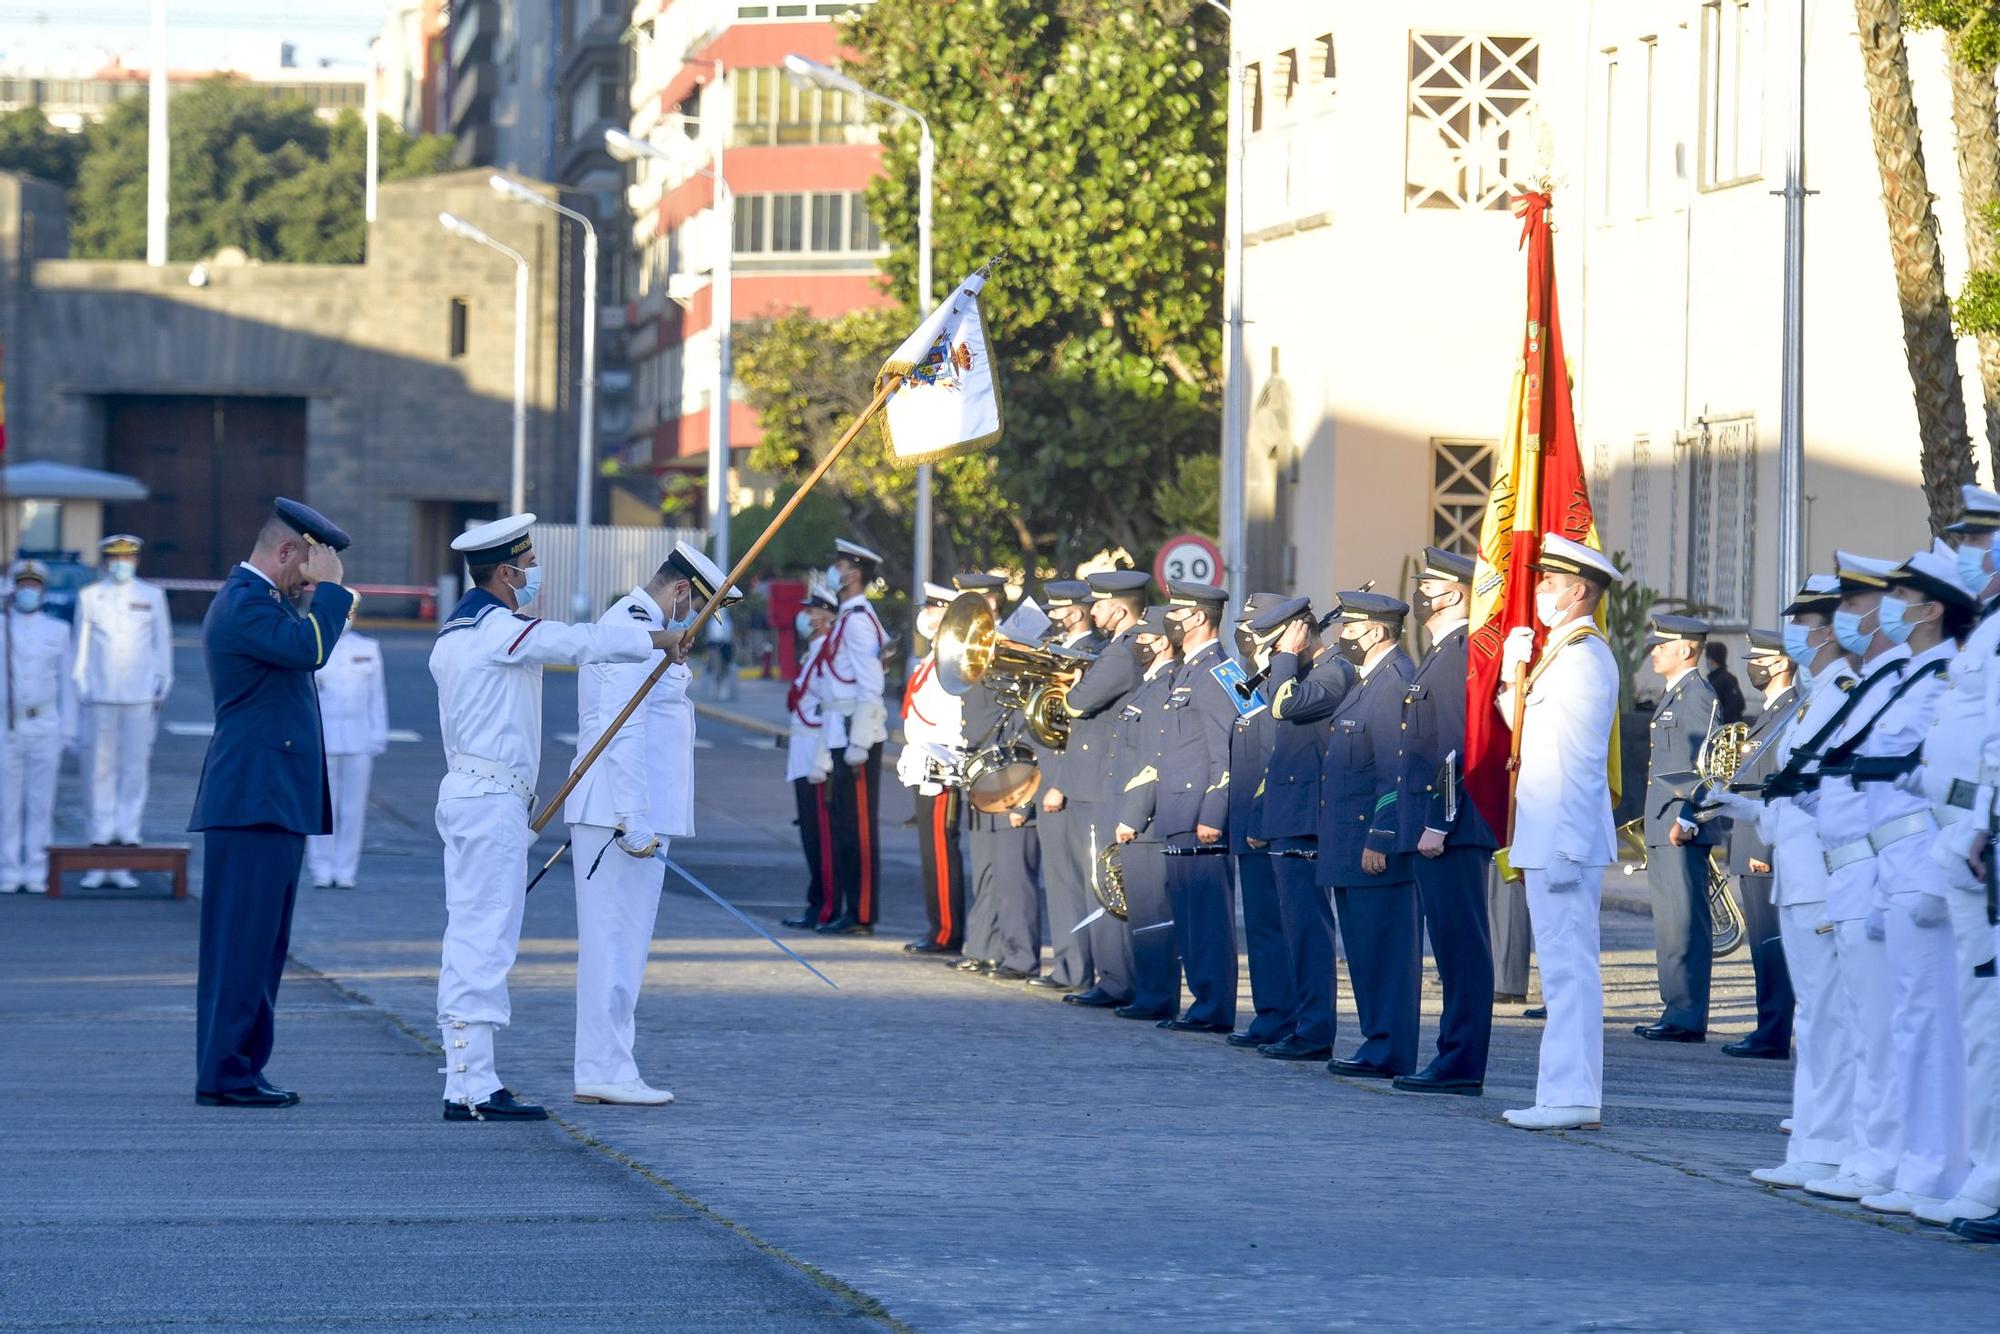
x=1847 y=854
x=1909 y=826
x=1946 y=815
x=478 y=766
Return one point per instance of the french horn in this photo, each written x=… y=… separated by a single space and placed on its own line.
x=1032 y=681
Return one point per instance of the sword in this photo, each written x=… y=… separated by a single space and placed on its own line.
x=733 y=911
x=547 y=866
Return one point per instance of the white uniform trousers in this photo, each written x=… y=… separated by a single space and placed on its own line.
x=121 y=756
x=1929 y=1049
x=1979 y=1018
x=1823 y=1073
x=1566 y=946
x=486 y=841
x=27 y=805
x=1869 y=987
x=615 y=911
x=336 y=857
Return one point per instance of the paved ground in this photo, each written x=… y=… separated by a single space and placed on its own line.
x=965 y=1154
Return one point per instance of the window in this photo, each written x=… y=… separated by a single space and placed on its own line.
x=1322 y=50
x=1608 y=191
x=1639 y=504
x=1253 y=93
x=611 y=103
x=750 y=211
x=829 y=221
x=822 y=223
x=461 y=316
x=1650 y=126
x=770 y=109
x=1288 y=77
x=1732 y=93
x=1722 y=516
x=1471 y=101
x=1461 y=484
x=798 y=9
x=788 y=222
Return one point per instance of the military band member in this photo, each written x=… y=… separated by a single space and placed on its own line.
x=1770 y=673
x=934 y=731
x=808 y=764
x=263 y=790
x=1449 y=840
x=124 y=671
x=41 y=723
x=1309 y=673
x=1065 y=823
x=1097 y=705
x=354 y=710
x=1136 y=750
x=1004 y=918
x=984 y=720
x=856 y=724
x=1375 y=896
x=487 y=663
x=1677 y=843
x=624 y=809
x=1251 y=737
x=1563 y=837
x=1191 y=810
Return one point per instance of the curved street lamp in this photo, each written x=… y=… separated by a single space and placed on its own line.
x=517 y=494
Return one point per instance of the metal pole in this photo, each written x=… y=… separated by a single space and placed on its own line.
x=586 y=436
x=1235 y=387
x=157 y=165
x=920 y=555
x=721 y=314
x=517 y=495
x=373 y=114
x=1791 y=393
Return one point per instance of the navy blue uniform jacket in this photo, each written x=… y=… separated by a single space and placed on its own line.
x=1289 y=805
x=1137 y=739
x=1194 y=750
x=266 y=763
x=1433 y=727
x=1358 y=778
x=1250 y=742
x=1094 y=704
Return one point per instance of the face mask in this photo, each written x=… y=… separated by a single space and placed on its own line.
x=1972 y=567
x=1246 y=645
x=1145 y=650
x=832 y=573
x=1797 y=648
x=1427 y=606
x=28 y=599
x=1895 y=620
x=1355 y=651
x=1847 y=629
x=1547 y=608
x=1759 y=675
x=122 y=571
x=1175 y=634
x=525 y=594
x=802 y=625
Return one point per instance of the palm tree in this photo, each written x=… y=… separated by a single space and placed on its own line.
x=1929 y=346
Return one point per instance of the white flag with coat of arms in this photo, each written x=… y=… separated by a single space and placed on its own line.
x=949 y=400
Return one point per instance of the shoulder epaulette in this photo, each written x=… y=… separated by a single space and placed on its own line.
x=637 y=612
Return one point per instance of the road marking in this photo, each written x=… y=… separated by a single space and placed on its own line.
x=402 y=734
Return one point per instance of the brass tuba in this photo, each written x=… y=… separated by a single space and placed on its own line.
x=1721 y=756
x=1726 y=927
x=1033 y=681
x=1108 y=881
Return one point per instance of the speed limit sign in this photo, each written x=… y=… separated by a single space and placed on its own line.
x=1191 y=557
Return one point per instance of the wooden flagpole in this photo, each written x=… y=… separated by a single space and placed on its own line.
x=714 y=603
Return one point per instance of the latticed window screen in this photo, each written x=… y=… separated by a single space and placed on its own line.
x=1639 y=515
x=1461 y=481
x=1471 y=97
x=1722 y=517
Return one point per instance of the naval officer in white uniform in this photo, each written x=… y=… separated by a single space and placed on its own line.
x=638 y=795
x=1563 y=834
x=40 y=703
x=487 y=663
x=354 y=716
x=124 y=669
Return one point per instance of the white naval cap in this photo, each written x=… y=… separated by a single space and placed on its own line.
x=1862 y=574
x=1982 y=511
x=844 y=547
x=1566 y=556
x=938 y=595
x=691 y=565
x=1934 y=573
x=493 y=543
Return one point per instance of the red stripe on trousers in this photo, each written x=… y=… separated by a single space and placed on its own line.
x=939 y=858
x=826 y=861
x=867 y=909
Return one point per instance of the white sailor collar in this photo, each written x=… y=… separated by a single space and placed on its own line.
x=652 y=609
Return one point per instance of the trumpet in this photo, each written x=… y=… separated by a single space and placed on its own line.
x=1034 y=681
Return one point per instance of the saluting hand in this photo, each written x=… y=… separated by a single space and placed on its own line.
x=323 y=565
x=1293 y=640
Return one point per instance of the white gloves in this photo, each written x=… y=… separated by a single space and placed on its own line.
x=1562 y=875
x=1877 y=924
x=634 y=839
x=910 y=766
x=1926 y=910
x=869 y=725
x=1516 y=651
x=821 y=768
x=855 y=755
x=1952 y=849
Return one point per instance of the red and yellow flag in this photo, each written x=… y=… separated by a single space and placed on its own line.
x=1538 y=487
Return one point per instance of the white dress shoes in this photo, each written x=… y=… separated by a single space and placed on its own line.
x=631 y=1093
x=1895 y=1202
x=124 y=880
x=1792 y=1176
x=1539 y=1117
x=1785 y=1126
x=1943 y=1213
x=92 y=880
x=1845 y=1186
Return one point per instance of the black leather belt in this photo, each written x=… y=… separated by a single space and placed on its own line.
x=1962 y=794
x=1204 y=850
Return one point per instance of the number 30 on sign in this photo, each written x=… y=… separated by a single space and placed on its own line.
x=1191 y=557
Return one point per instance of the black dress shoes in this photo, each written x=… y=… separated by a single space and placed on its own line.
x=976 y=965
x=1508 y=998
x=1535 y=1012
x=928 y=946
x=1666 y=1032
x=501 y=1106
x=1358 y=1069
x=1097 y=998
x=803 y=922
x=1002 y=973
x=1185 y=1025
x=1425 y=1081
x=1244 y=1040
x=1978 y=1229
x=1049 y=982
x=1294 y=1048
x=1755 y=1051
x=1134 y=1012
x=259 y=1095
x=846 y=925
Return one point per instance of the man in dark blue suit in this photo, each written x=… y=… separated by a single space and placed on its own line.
x=263 y=789
x=1451 y=843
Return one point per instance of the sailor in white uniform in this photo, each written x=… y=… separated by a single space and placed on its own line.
x=354 y=716
x=1563 y=834
x=40 y=703
x=487 y=663
x=638 y=795
x=124 y=669
x=808 y=764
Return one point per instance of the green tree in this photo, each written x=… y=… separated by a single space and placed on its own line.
x=248 y=170
x=1085 y=139
x=29 y=144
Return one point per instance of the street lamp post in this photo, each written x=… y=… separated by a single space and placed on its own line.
x=812 y=72
x=157 y=168
x=586 y=437
x=1235 y=384
x=626 y=148
x=517 y=494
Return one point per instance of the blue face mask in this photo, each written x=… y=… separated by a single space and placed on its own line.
x=28 y=598
x=1797 y=648
x=1972 y=571
x=1847 y=629
x=525 y=594
x=1895 y=621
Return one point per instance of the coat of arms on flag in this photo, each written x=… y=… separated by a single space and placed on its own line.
x=949 y=399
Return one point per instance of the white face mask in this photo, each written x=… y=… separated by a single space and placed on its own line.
x=525 y=594
x=802 y=625
x=28 y=598
x=1548 y=608
x=833 y=578
x=122 y=571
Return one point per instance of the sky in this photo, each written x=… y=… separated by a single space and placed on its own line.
x=201 y=34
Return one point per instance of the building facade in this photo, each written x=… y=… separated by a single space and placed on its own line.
x=70 y=100
x=1385 y=291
